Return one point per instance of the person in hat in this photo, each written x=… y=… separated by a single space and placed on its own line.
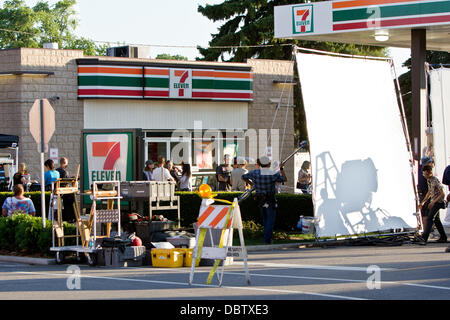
x=149 y=166
x=430 y=205
x=264 y=180
x=237 y=184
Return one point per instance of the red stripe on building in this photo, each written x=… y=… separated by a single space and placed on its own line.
x=392 y=23
x=107 y=92
x=227 y=95
x=156 y=93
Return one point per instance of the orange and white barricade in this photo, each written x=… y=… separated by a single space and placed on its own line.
x=219 y=217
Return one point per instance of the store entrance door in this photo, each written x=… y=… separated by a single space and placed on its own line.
x=156 y=149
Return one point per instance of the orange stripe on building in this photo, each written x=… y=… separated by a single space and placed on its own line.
x=82 y=69
x=220 y=74
x=204 y=216
x=202 y=73
x=156 y=72
x=219 y=217
x=362 y=3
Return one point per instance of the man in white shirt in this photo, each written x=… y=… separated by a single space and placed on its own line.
x=160 y=173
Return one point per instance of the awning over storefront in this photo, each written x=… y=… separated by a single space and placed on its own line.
x=152 y=80
x=367 y=22
x=8 y=141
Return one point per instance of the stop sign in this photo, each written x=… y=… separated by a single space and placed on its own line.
x=42 y=122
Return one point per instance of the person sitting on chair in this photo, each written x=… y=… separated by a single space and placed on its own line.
x=18 y=203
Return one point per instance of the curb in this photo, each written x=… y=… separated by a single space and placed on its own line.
x=28 y=260
x=271 y=247
x=46 y=262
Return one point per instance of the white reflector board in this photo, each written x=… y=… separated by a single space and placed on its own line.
x=440 y=110
x=362 y=177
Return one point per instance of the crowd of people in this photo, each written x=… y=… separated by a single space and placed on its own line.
x=235 y=177
x=164 y=170
x=229 y=177
x=19 y=203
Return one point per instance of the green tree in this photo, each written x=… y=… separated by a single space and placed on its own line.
x=22 y=26
x=167 y=56
x=17 y=25
x=251 y=23
x=57 y=22
x=434 y=58
x=248 y=32
x=88 y=46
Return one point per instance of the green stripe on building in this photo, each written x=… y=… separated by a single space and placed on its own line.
x=109 y=81
x=393 y=11
x=222 y=84
x=157 y=83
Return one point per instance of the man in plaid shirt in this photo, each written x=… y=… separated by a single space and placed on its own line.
x=264 y=180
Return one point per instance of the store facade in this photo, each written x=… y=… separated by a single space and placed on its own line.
x=194 y=112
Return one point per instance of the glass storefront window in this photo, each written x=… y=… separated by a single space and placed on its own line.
x=156 y=150
x=179 y=152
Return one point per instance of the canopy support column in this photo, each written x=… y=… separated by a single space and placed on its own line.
x=418 y=91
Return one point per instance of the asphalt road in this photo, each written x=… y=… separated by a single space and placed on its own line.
x=406 y=272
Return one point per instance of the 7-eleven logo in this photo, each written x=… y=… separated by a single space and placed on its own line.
x=108 y=150
x=303 y=19
x=107 y=157
x=180 y=83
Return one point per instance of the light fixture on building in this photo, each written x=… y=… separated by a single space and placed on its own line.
x=277 y=101
x=27 y=73
x=284 y=82
x=381 y=35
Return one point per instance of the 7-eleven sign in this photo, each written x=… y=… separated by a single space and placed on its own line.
x=180 y=83
x=303 y=19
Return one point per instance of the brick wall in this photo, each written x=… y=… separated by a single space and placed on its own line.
x=17 y=94
x=262 y=112
x=22 y=90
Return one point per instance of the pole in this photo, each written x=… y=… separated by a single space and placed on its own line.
x=418 y=91
x=42 y=163
x=42 y=190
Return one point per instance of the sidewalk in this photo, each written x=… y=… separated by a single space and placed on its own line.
x=28 y=260
x=46 y=261
x=257 y=248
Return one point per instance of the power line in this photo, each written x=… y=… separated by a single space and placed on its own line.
x=166 y=45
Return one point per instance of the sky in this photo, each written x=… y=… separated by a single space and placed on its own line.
x=157 y=24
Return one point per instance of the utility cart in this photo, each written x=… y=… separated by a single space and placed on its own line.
x=160 y=196
x=86 y=227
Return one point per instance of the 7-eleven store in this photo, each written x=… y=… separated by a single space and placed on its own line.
x=185 y=111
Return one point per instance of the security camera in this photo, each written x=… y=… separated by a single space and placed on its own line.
x=54 y=98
